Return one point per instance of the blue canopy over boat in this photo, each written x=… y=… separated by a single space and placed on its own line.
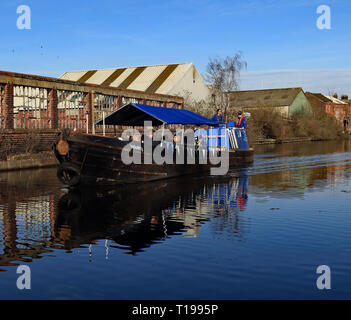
x=133 y=114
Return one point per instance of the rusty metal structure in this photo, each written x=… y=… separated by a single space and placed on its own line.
x=35 y=102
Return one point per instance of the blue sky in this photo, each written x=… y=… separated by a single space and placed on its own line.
x=272 y=34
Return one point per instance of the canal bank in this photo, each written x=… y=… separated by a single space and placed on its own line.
x=280 y=141
x=28 y=161
x=294 y=140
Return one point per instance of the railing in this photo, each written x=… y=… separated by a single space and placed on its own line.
x=105 y=104
x=30 y=109
x=72 y=109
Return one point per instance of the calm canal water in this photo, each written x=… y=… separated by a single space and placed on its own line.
x=260 y=232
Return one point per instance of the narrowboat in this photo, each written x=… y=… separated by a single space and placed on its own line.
x=100 y=159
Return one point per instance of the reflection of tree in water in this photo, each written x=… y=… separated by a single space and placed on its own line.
x=290 y=169
x=294 y=182
x=305 y=148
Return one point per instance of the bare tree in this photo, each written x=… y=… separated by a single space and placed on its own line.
x=223 y=75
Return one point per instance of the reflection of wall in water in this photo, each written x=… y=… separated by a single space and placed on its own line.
x=30 y=221
x=27 y=214
x=33 y=217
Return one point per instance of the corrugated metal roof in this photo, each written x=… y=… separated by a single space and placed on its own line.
x=174 y=77
x=153 y=79
x=267 y=98
x=319 y=96
x=124 y=75
x=336 y=101
x=325 y=98
x=115 y=74
x=142 y=82
x=73 y=76
x=85 y=78
x=161 y=77
x=100 y=76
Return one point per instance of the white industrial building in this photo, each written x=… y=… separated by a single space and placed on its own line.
x=172 y=79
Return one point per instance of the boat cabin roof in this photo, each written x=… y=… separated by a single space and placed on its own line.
x=133 y=114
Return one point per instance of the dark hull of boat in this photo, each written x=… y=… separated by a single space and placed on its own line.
x=97 y=160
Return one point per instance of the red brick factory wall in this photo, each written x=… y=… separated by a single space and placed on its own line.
x=13 y=142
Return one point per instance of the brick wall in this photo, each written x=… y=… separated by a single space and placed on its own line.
x=23 y=141
x=8 y=106
x=52 y=108
x=339 y=111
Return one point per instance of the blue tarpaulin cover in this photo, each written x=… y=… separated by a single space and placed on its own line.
x=134 y=114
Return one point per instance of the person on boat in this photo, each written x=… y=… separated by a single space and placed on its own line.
x=136 y=137
x=240 y=121
x=218 y=117
x=149 y=134
x=176 y=139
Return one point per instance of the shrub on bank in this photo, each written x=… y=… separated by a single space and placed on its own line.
x=317 y=126
x=270 y=124
x=15 y=143
x=265 y=124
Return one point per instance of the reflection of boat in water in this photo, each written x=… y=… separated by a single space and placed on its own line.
x=130 y=218
x=97 y=159
x=232 y=194
x=137 y=217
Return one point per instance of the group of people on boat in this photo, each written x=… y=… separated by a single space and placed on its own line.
x=218 y=117
x=239 y=123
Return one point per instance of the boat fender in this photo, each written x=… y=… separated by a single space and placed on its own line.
x=68 y=173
